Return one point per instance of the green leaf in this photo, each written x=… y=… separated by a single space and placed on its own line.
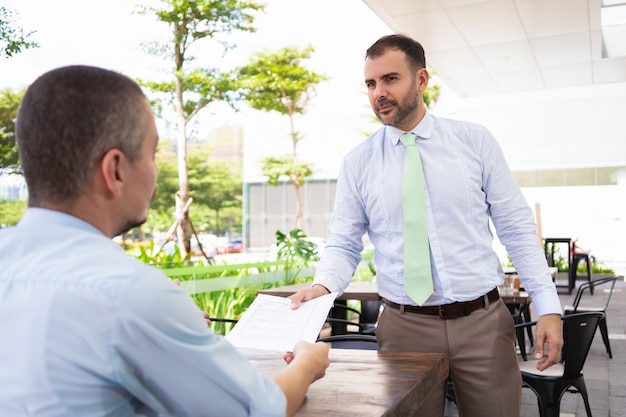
x=295 y=247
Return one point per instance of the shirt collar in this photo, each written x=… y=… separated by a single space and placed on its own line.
x=423 y=130
x=43 y=217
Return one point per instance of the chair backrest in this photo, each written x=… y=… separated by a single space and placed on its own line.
x=222 y=325
x=351 y=341
x=370 y=310
x=578 y=332
x=593 y=284
x=367 y=318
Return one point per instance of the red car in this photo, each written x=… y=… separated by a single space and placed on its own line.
x=235 y=246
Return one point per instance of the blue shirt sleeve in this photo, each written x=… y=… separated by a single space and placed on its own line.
x=166 y=356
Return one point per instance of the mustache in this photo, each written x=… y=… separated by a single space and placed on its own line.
x=384 y=102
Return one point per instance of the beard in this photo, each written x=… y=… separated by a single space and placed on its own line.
x=130 y=224
x=407 y=107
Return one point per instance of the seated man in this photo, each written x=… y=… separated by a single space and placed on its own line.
x=86 y=329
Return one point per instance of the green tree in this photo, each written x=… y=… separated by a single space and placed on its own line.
x=279 y=82
x=163 y=207
x=13 y=39
x=216 y=185
x=297 y=172
x=193 y=89
x=11 y=211
x=431 y=94
x=9 y=104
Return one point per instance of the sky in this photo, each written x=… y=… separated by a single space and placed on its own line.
x=110 y=35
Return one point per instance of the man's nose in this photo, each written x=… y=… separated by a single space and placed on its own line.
x=380 y=92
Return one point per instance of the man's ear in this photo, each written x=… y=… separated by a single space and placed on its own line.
x=112 y=172
x=422 y=79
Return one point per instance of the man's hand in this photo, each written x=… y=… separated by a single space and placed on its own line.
x=316 y=355
x=307 y=294
x=307 y=364
x=304 y=346
x=550 y=332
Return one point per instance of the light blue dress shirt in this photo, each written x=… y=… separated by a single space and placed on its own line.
x=468 y=182
x=86 y=330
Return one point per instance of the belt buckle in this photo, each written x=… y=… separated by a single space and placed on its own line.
x=452 y=313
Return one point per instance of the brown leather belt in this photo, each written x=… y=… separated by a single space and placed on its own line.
x=450 y=311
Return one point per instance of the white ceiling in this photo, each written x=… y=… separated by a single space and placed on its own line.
x=485 y=47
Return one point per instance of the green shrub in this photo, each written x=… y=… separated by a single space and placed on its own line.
x=294 y=249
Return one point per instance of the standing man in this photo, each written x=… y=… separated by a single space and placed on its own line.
x=467 y=182
x=86 y=329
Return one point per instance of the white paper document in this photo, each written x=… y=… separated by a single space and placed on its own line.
x=270 y=323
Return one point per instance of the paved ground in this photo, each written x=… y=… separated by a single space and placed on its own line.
x=605 y=378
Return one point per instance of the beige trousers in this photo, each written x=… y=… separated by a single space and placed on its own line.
x=481 y=349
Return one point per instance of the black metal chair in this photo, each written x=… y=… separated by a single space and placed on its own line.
x=338 y=318
x=567 y=375
x=222 y=325
x=598 y=307
x=572 y=272
x=574 y=257
x=351 y=341
x=370 y=311
x=366 y=323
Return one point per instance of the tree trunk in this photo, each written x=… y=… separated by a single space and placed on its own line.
x=217 y=222
x=184 y=229
x=294 y=138
x=298 y=224
x=296 y=184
